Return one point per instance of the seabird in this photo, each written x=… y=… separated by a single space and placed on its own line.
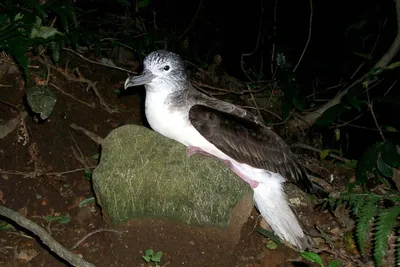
x=208 y=126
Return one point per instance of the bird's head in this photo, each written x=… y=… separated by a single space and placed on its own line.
x=163 y=70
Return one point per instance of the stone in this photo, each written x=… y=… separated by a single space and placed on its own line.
x=143 y=174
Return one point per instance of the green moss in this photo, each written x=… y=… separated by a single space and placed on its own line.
x=144 y=174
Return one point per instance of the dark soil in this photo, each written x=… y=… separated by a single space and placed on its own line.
x=54 y=147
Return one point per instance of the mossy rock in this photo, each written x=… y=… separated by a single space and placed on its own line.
x=143 y=174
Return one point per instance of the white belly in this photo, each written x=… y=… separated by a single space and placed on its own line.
x=176 y=125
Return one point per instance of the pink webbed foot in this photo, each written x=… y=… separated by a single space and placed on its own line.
x=192 y=150
x=252 y=183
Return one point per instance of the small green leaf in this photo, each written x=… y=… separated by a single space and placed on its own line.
x=149 y=252
x=143 y=3
x=394 y=65
x=157 y=257
x=313 y=257
x=365 y=56
x=43 y=32
x=270 y=235
x=271 y=245
x=334 y=264
x=146 y=258
x=4 y=226
x=60 y=219
x=95 y=156
x=324 y=153
x=351 y=164
x=64 y=219
x=384 y=168
x=337 y=134
x=391 y=129
x=87 y=201
x=88 y=174
x=18 y=16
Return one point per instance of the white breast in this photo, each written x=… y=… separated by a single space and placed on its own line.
x=175 y=124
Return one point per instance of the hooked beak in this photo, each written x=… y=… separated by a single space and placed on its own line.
x=144 y=78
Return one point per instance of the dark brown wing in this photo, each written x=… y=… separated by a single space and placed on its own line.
x=250 y=143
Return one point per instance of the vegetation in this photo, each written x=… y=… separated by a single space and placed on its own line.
x=368 y=74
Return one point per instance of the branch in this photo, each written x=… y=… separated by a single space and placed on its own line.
x=314 y=149
x=54 y=246
x=309 y=119
x=309 y=37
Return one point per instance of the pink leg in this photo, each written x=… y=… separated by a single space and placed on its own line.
x=252 y=183
x=196 y=150
x=192 y=150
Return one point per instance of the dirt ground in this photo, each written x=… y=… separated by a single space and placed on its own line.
x=46 y=178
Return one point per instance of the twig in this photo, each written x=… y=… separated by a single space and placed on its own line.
x=390 y=88
x=91 y=135
x=48 y=68
x=257 y=44
x=192 y=22
x=35 y=174
x=90 y=85
x=273 y=38
x=348 y=122
x=98 y=63
x=227 y=90
x=366 y=128
x=102 y=101
x=371 y=108
x=386 y=58
x=71 y=96
x=45 y=237
x=263 y=109
x=257 y=108
x=10 y=105
x=80 y=157
x=305 y=146
x=80 y=241
x=309 y=36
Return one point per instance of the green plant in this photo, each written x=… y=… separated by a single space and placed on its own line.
x=27 y=25
x=314 y=257
x=368 y=208
x=376 y=214
x=149 y=256
x=382 y=160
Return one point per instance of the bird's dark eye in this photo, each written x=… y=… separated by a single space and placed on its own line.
x=166 y=67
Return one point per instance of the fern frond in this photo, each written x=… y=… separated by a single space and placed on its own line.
x=364 y=218
x=55 y=49
x=355 y=203
x=384 y=225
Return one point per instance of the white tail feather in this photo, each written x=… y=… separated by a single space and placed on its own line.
x=272 y=203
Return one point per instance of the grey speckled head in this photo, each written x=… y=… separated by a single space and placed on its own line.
x=160 y=67
x=163 y=58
